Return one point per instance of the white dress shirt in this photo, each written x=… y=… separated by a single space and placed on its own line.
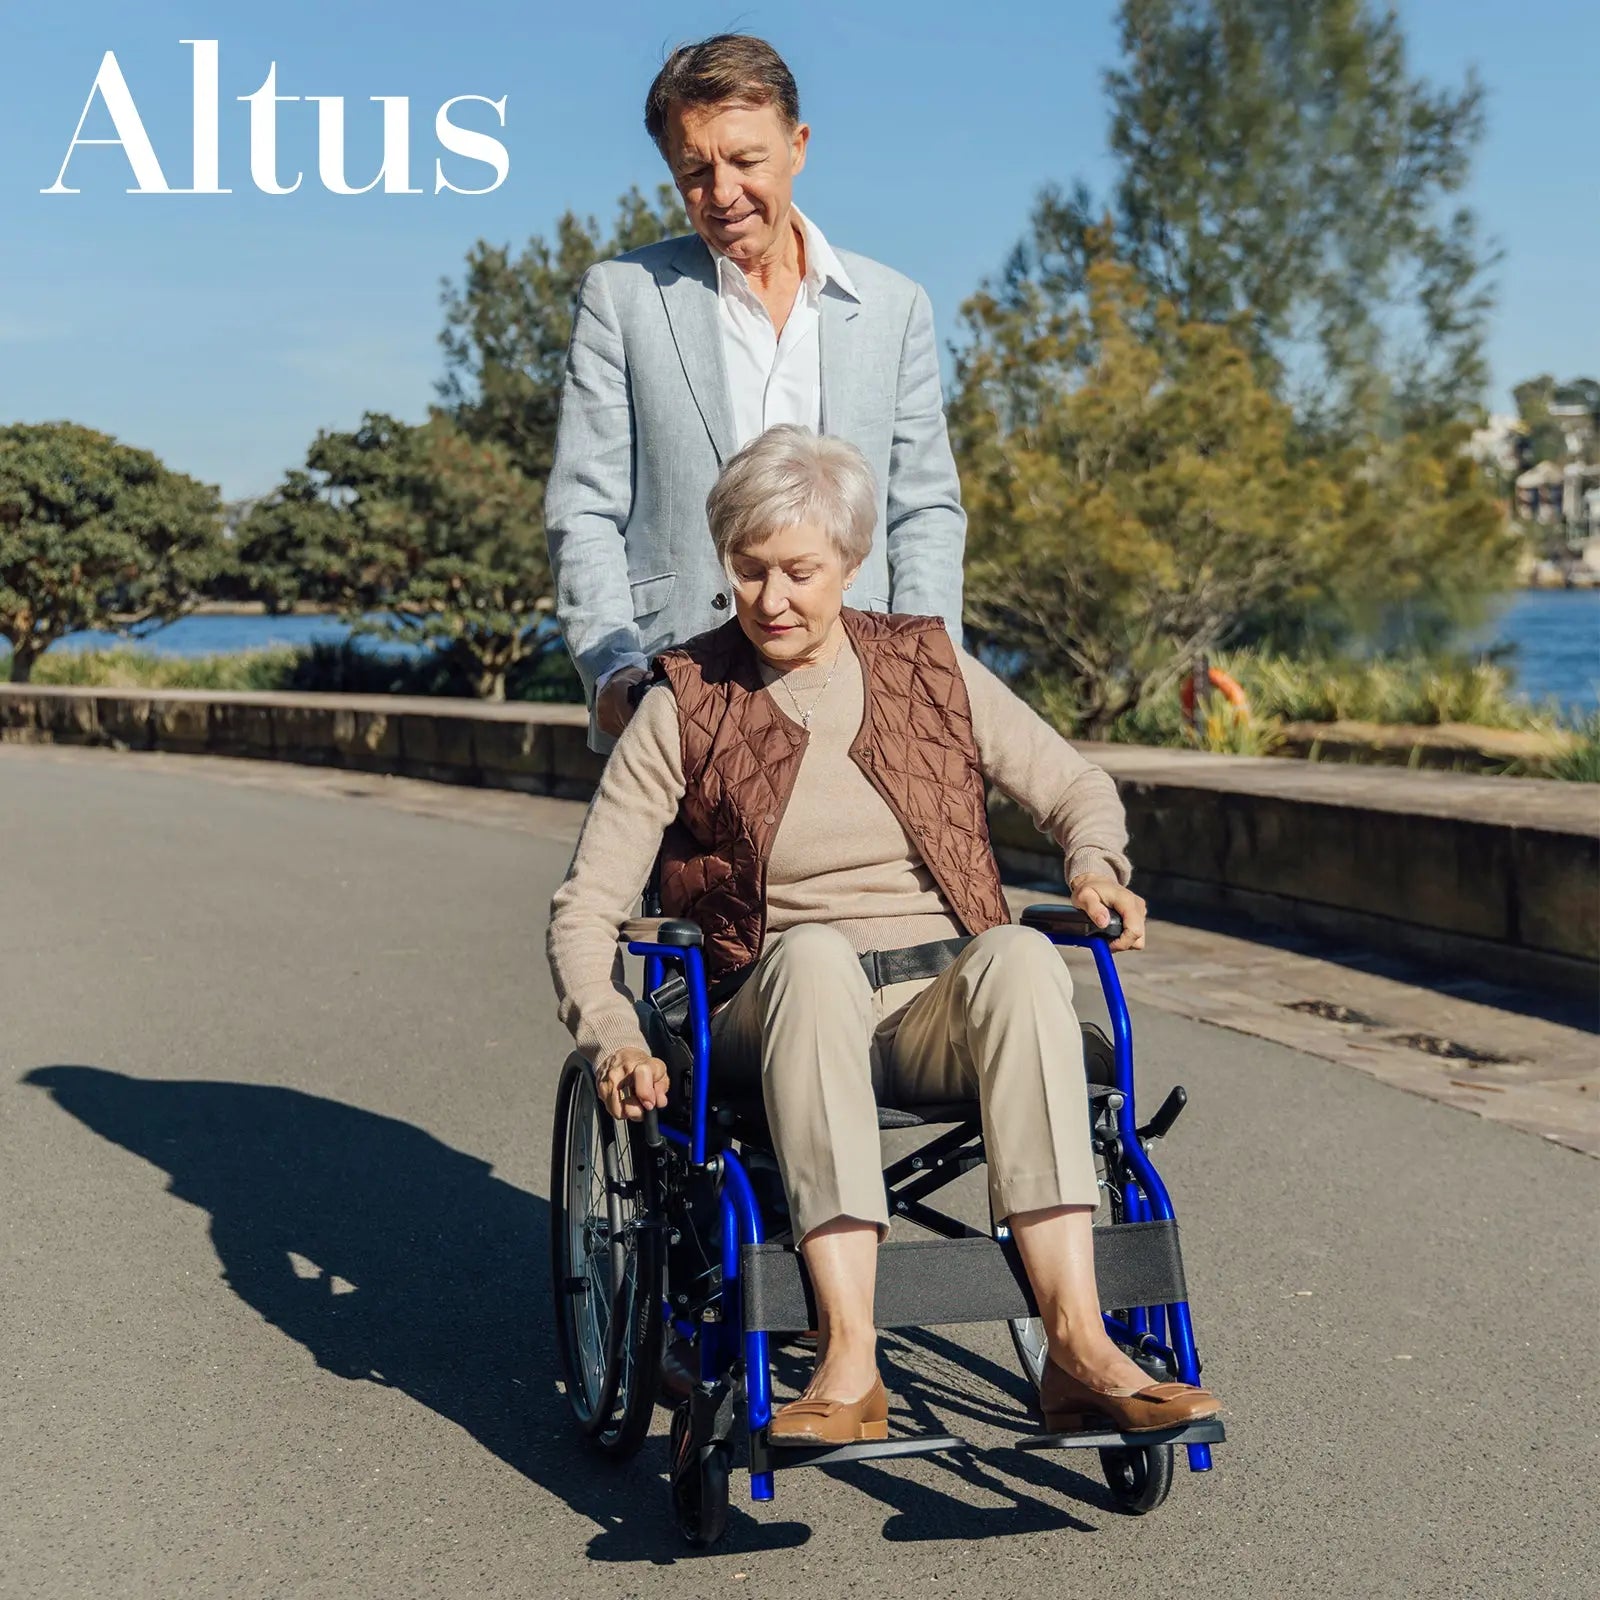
x=775 y=378
x=772 y=378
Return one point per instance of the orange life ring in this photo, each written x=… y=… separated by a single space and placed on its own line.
x=1219 y=680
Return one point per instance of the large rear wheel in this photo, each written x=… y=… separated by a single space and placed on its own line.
x=605 y=1257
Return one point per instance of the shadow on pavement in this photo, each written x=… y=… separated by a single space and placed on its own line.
x=394 y=1259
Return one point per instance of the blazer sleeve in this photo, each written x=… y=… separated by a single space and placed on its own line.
x=927 y=529
x=589 y=496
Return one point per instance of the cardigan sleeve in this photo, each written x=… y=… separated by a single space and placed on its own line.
x=1068 y=797
x=636 y=800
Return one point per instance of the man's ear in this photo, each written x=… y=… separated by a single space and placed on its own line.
x=798 y=142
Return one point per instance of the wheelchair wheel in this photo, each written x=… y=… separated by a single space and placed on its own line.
x=699 y=1478
x=1140 y=1478
x=605 y=1258
x=1027 y=1333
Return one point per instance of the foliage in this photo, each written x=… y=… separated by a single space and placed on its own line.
x=127 y=667
x=1581 y=762
x=1280 y=169
x=417 y=533
x=94 y=534
x=507 y=325
x=1413 y=690
x=1130 y=491
x=323 y=668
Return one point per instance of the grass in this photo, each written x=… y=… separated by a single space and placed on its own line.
x=338 y=669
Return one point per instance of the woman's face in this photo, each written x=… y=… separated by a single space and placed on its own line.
x=788 y=590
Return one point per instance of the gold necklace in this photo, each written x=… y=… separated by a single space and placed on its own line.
x=806 y=715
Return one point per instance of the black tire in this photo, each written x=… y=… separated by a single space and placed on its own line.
x=1027 y=1333
x=699 y=1480
x=606 y=1284
x=1139 y=1478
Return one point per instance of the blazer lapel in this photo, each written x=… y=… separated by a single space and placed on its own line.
x=837 y=335
x=689 y=294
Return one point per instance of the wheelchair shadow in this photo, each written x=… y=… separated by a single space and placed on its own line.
x=393 y=1259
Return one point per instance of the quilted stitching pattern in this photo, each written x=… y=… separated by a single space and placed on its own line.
x=741 y=756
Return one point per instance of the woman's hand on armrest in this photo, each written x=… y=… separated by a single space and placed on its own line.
x=1097 y=893
x=631 y=1081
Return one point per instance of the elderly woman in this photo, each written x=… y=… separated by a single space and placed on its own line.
x=812 y=778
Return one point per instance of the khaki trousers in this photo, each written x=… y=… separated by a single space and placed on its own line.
x=997 y=1024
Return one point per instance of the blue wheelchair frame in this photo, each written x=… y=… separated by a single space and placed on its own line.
x=1163 y=1330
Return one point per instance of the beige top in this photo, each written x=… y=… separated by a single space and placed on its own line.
x=840 y=855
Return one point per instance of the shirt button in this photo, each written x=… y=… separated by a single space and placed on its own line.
x=720 y=601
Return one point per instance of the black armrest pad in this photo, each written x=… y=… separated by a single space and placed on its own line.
x=1069 y=922
x=678 y=930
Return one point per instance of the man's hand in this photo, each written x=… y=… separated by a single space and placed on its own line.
x=1097 y=895
x=630 y=1081
x=613 y=709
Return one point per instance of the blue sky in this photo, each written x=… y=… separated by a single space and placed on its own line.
x=221 y=332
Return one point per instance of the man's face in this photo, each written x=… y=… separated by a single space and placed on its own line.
x=735 y=167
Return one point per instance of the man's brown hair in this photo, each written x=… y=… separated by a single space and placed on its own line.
x=727 y=67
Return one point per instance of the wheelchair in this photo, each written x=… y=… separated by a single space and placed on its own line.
x=677 y=1225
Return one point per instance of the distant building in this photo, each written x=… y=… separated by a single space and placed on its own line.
x=1540 y=491
x=1498 y=443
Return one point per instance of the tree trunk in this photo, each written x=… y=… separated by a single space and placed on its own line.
x=22 y=660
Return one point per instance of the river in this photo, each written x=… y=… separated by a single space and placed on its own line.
x=1553 y=637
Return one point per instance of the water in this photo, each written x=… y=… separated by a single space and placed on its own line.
x=1554 y=635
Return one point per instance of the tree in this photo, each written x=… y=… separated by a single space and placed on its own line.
x=420 y=534
x=1137 y=497
x=94 y=534
x=1282 y=172
x=1129 y=488
x=508 y=324
x=1547 y=435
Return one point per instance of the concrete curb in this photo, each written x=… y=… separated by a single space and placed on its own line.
x=1498 y=877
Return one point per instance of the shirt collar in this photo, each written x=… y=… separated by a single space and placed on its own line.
x=822 y=262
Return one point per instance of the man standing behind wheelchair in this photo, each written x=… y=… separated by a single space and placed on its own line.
x=811 y=778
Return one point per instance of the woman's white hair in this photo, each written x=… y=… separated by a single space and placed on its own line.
x=786 y=476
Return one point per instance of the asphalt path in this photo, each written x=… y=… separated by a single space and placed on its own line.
x=276 y=1072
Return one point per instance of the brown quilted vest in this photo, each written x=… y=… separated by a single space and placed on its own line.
x=741 y=755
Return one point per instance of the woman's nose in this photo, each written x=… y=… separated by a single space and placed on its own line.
x=773 y=599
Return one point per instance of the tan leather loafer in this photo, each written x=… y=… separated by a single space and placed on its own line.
x=832 y=1421
x=1071 y=1406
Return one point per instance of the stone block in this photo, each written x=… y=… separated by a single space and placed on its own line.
x=180 y=724
x=514 y=755
x=438 y=746
x=369 y=740
x=1555 y=890
x=241 y=729
x=125 y=719
x=305 y=733
x=574 y=768
x=67 y=719
x=19 y=717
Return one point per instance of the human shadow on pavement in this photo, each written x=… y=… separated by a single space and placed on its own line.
x=393 y=1259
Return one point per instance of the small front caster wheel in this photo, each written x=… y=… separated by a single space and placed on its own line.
x=699 y=1481
x=1139 y=1478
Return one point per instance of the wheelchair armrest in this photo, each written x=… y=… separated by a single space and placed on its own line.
x=661 y=930
x=1068 y=922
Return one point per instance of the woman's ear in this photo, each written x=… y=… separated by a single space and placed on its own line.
x=851 y=576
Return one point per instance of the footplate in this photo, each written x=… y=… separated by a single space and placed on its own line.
x=1208 y=1431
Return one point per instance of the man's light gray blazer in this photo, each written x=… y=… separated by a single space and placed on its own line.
x=646 y=423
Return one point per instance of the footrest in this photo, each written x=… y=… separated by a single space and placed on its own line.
x=925 y=1282
x=1209 y=1431
x=833 y=1455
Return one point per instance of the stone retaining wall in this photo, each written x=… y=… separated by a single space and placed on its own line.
x=1495 y=876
